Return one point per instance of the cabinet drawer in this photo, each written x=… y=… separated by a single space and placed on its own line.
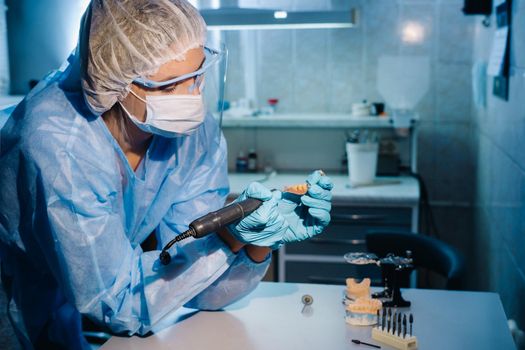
x=348 y=228
x=371 y=216
x=333 y=241
x=329 y=273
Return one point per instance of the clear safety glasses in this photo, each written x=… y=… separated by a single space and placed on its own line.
x=214 y=68
x=211 y=57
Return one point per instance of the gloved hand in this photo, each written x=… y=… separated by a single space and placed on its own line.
x=263 y=227
x=309 y=214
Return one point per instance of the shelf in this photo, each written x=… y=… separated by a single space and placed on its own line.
x=298 y=120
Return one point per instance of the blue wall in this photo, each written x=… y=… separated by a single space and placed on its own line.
x=325 y=71
x=41 y=34
x=500 y=194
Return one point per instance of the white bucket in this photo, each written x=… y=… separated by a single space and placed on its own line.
x=362 y=162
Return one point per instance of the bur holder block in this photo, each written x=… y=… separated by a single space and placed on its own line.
x=383 y=336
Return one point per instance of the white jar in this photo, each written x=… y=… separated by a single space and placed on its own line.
x=362 y=162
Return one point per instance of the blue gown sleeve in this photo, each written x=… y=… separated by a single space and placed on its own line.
x=83 y=240
x=119 y=285
x=209 y=190
x=239 y=280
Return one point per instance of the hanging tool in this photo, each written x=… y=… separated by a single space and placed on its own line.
x=383 y=320
x=411 y=320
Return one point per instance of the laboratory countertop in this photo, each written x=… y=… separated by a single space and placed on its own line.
x=386 y=191
x=271 y=318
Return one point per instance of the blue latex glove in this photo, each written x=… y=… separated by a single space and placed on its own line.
x=265 y=226
x=307 y=215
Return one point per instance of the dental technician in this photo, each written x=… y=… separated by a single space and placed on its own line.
x=110 y=157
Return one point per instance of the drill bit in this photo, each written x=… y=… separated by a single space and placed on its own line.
x=404 y=325
x=399 y=324
x=411 y=320
x=383 y=320
x=307 y=300
x=389 y=320
x=394 y=325
x=378 y=318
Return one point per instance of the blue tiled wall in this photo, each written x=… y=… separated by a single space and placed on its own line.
x=44 y=29
x=328 y=70
x=500 y=186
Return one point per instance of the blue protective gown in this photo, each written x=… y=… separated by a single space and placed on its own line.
x=73 y=215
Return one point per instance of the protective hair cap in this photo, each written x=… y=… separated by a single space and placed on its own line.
x=121 y=40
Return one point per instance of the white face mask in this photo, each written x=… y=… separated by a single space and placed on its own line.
x=170 y=115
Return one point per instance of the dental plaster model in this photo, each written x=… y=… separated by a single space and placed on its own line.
x=300 y=189
x=356 y=289
x=363 y=312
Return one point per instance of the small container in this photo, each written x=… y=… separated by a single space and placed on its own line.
x=272 y=102
x=377 y=108
x=252 y=160
x=241 y=163
x=361 y=109
x=362 y=162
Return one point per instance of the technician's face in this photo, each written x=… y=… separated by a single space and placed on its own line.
x=172 y=69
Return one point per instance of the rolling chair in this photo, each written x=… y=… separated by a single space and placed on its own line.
x=427 y=252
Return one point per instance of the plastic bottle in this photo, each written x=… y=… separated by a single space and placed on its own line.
x=252 y=160
x=272 y=102
x=241 y=163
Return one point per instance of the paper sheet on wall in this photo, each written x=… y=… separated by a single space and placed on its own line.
x=497 y=54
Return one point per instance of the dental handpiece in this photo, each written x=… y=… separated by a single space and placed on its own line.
x=212 y=222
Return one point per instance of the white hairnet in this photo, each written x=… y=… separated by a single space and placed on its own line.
x=121 y=40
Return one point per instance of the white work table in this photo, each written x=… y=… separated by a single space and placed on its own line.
x=271 y=318
x=387 y=191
